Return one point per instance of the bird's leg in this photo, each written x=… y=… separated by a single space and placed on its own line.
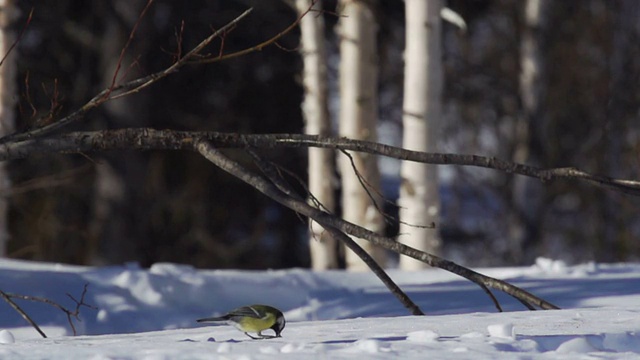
x=262 y=336
x=254 y=338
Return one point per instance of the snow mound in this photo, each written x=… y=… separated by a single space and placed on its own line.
x=502 y=331
x=423 y=336
x=6 y=337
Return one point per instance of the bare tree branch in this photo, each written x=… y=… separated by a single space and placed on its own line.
x=8 y=297
x=328 y=220
x=117 y=91
x=271 y=172
x=151 y=139
x=194 y=56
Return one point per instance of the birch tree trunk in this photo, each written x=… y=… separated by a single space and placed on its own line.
x=358 y=120
x=422 y=109
x=8 y=97
x=315 y=111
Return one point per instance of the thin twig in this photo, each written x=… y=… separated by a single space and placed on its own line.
x=364 y=183
x=493 y=298
x=389 y=219
x=258 y=47
x=24 y=315
x=20 y=35
x=126 y=46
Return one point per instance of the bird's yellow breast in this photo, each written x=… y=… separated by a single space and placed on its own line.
x=249 y=324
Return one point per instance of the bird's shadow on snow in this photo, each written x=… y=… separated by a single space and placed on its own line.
x=232 y=341
x=350 y=341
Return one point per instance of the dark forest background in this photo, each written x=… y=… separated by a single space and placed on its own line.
x=175 y=207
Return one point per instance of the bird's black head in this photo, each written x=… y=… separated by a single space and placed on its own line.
x=279 y=325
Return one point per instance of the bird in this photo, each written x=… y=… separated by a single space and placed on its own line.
x=254 y=318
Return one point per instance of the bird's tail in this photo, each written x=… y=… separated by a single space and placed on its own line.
x=213 y=319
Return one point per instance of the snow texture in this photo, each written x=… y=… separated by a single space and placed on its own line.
x=150 y=314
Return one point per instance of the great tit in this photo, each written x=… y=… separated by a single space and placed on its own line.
x=254 y=318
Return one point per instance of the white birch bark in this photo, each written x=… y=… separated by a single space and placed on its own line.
x=315 y=111
x=530 y=57
x=358 y=120
x=422 y=109
x=8 y=13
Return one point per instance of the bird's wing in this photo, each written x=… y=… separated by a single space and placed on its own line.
x=211 y=319
x=246 y=311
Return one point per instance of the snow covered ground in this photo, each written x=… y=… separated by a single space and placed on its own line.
x=150 y=314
